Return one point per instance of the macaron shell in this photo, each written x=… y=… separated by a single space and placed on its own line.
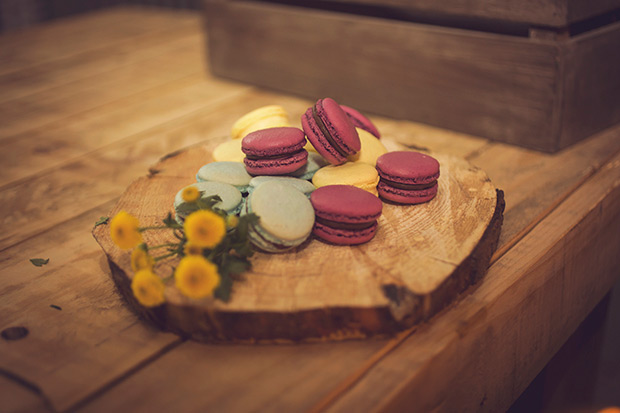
x=278 y=166
x=285 y=213
x=318 y=140
x=273 y=142
x=346 y=204
x=344 y=236
x=406 y=196
x=233 y=173
x=301 y=185
x=338 y=124
x=361 y=121
x=314 y=163
x=262 y=118
x=358 y=174
x=231 y=196
x=408 y=167
x=228 y=151
x=371 y=149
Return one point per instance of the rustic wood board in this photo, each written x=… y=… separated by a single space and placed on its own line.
x=422 y=257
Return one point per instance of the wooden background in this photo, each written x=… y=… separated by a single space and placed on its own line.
x=89 y=103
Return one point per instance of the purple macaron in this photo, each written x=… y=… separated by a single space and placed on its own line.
x=330 y=131
x=274 y=151
x=345 y=214
x=361 y=121
x=407 y=177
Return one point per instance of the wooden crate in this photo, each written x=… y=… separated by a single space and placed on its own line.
x=543 y=75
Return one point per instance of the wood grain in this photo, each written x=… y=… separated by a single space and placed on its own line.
x=556 y=13
x=420 y=259
x=532 y=298
x=50 y=211
x=71 y=36
x=496 y=86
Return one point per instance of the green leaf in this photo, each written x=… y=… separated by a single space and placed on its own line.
x=224 y=289
x=236 y=265
x=102 y=221
x=39 y=262
x=170 y=222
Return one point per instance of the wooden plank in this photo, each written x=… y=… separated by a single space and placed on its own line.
x=73 y=35
x=555 y=13
x=103 y=174
x=591 y=84
x=533 y=181
x=54 y=106
x=89 y=63
x=18 y=397
x=530 y=302
x=496 y=86
x=236 y=378
x=89 y=338
x=80 y=134
x=542 y=12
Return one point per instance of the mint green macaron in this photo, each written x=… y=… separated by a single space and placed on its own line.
x=232 y=200
x=232 y=173
x=286 y=216
x=300 y=184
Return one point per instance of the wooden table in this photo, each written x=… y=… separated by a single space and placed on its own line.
x=88 y=103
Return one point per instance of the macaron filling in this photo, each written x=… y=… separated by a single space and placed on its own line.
x=358 y=226
x=408 y=187
x=325 y=132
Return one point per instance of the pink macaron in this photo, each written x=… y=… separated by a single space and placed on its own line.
x=274 y=151
x=345 y=214
x=330 y=131
x=360 y=121
x=407 y=177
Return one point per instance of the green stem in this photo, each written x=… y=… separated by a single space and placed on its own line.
x=161 y=257
x=142 y=229
x=168 y=244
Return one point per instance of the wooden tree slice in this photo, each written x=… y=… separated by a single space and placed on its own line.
x=421 y=259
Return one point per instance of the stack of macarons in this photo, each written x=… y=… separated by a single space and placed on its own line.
x=276 y=168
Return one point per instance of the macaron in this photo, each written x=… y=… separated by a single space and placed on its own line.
x=228 y=151
x=330 y=131
x=360 y=121
x=271 y=116
x=345 y=214
x=232 y=200
x=372 y=148
x=361 y=175
x=314 y=163
x=232 y=173
x=301 y=185
x=286 y=217
x=274 y=151
x=407 y=177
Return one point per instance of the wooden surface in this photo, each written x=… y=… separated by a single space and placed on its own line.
x=84 y=114
x=537 y=89
x=555 y=13
x=420 y=260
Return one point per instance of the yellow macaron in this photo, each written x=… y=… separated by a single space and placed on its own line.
x=272 y=116
x=229 y=151
x=359 y=174
x=372 y=148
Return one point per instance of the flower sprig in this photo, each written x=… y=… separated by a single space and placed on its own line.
x=213 y=247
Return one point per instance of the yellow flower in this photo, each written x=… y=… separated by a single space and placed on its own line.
x=141 y=259
x=196 y=277
x=148 y=288
x=124 y=230
x=192 y=249
x=204 y=228
x=232 y=221
x=190 y=194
